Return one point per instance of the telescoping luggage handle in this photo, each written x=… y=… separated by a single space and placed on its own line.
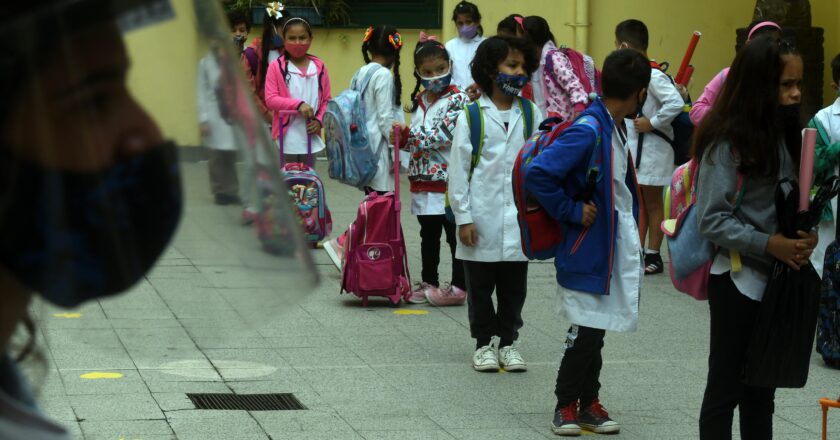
x=309 y=159
x=397 y=205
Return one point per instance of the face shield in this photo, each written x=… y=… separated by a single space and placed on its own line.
x=111 y=110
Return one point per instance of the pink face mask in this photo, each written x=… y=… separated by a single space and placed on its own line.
x=297 y=50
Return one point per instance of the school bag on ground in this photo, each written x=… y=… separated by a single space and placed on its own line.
x=540 y=233
x=375 y=259
x=475 y=120
x=691 y=254
x=682 y=126
x=352 y=158
x=308 y=197
x=828 y=319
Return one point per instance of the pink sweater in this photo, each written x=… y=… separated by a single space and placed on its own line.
x=277 y=94
x=705 y=102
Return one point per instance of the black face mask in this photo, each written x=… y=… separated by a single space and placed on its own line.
x=787 y=119
x=74 y=236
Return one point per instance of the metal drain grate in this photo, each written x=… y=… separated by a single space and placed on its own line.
x=247 y=402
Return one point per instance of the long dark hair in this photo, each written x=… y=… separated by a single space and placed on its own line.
x=379 y=43
x=424 y=51
x=537 y=31
x=267 y=45
x=467 y=8
x=746 y=113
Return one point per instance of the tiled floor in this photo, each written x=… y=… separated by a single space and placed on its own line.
x=218 y=315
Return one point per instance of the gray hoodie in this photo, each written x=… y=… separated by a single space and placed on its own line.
x=749 y=229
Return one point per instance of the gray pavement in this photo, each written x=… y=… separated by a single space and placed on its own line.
x=203 y=322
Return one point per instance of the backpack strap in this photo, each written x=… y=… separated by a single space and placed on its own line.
x=362 y=86
x=592 y=122
x=475 y=120
x=527 y=116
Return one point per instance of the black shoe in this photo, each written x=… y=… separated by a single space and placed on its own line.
x=566 y=421
x=595 y=419
x=653 y=264
x=225 y=199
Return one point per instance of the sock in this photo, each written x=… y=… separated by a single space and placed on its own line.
x=481 y=343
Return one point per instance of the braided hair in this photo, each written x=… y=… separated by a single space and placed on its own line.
x=381 y=41
x=425 y=50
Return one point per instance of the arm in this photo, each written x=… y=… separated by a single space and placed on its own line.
x=459 y=169
x=324 y=97
x=203 y=92
x=274 y=100
x=716 y=195
x=382 y=88
x=569 y=82
x=439 y=137
x=704 y=103
x=667 y=94
x=546 y=175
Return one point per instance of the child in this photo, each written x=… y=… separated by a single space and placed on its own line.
x=558 y=92
x=827 y=122
x=653 y=154
x=462 y=49
x=381 y=51
x=481 y=197
x=599 y=263
x=297 y=81
x=434 y=112
x=214 y=123
x=704 y=103
x=511 y=26
x=729 y=142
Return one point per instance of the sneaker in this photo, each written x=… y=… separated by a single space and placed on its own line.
x=595 y=419
x=248 y=216
x=565 y=421
x=421 y=293
x=448 y=296
x=653 y=264
x=485 y=359
x=511 y=360
x=335 y=251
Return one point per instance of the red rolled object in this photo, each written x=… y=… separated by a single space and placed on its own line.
x=681 y=76
x=689 y=72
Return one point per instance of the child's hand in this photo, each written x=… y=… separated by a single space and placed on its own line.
x=468 y=234
x=589 y=214
x=306 y=111
x=473 y=92
x=794 y=252
x=204 y=129
x=683 y=91
x=391 y=134
x=642 y=125
x=313 y=126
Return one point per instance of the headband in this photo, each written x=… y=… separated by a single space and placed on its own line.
x=296 y=19
x=762 y=25
x=273 y=10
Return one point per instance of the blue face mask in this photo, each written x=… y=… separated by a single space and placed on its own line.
x=75 y=236
x=277 y=41
x=436 y=84
x=511 y=84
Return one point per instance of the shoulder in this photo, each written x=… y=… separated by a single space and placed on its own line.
x=452 y=43
x=658 y=76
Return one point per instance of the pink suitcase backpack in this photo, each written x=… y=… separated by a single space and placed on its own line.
x=308 y=197
x=375 y=260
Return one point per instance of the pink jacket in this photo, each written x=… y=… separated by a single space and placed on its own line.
x=705 y=102
x=277 y=94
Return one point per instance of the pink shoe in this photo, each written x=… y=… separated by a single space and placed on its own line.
x=448 y=296
x=248 y=216
x=421 y=293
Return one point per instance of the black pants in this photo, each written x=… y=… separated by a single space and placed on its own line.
x=222 y=168
x=431 y=227
x=580 y=369
x=510 y=281
x=733 y=317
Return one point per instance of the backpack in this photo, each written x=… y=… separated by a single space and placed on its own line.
x=828 y=319
x=253 y=60
x=582 y=65
x=375 y=257
x=475 y=119
x=682 y=126
x=540 y=233
x=352 y=159
x=691 y=254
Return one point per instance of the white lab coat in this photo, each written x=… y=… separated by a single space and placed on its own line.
x=221 y=135
x=487 y=199
x=618 y=311
x=381 y=115
x=461 y=52
x=663 y=104
x=829 y=117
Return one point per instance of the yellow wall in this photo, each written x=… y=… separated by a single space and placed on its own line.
x=670 y=23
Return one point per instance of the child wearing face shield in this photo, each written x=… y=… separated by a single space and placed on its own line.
x=433 y=114
x=462 y=48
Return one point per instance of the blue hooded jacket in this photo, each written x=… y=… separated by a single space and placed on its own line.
x=585 y=257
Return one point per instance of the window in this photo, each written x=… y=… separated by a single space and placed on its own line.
x=423 y=14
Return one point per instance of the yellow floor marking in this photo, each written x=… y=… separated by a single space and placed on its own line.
x=67 y=315
x=411 y=312
x=98 y=375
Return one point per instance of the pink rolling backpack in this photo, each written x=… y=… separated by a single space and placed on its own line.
x=375 y=260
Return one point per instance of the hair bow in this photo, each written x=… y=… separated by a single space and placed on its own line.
x=368 y=34
x=273 y=10
x=424 y=37
x=396 y=40
x=521 y=22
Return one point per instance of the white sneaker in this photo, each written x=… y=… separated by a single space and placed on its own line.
x=335 y=251
x=511 y=360
x=485 y=359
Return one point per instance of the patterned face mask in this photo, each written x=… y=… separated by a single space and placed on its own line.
x=511 y=84
x=436 y=84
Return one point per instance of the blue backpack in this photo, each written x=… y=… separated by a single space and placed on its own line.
x=352 y=158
